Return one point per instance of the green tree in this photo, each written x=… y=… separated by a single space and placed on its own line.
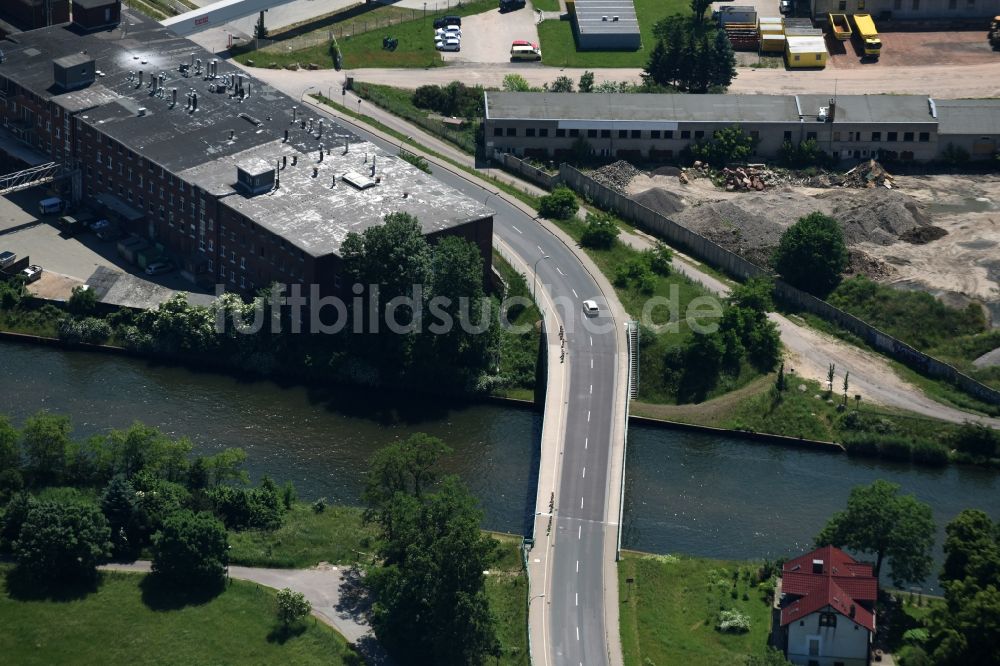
x=11 y=481
x=729 y=144
x=561 y=84
x=61 y=543
x=45 y=441
x=722 y=61
x=515 y=83
x=191 y=551
x=226 y=466
x=118 y=507
x=972 y=548
x=456 y=305
x=811 y=254
x=659 y=258
x=82 y=300
x=431 y=605
x=755 y=294
x=12 y=518
x=586 y=83
x=698 y=9
x=881 y=522
x=601 y=231
x=291 y=607
x=560 y=205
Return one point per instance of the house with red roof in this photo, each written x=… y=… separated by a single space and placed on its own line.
x=826 y=605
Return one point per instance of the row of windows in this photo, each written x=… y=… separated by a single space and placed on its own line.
x=923 y=137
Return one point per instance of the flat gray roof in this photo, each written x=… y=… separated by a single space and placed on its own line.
x=968 y=116
x=634 y=107
x=872 y=108
x=204 y=146
x=706 y=108
x=590 y=13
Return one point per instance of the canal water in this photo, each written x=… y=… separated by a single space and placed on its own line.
x=692 y=493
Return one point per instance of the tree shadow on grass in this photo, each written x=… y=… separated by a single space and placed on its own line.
x=281 y=633
x=162 y=595
x=23 y=587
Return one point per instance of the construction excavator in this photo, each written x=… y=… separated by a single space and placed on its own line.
x=994 y=34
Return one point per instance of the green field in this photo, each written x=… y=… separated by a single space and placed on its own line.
x=305 y=538
x=546 y=5
x=559 y=45
x=668 y=613
x=507 y=588
x=122 y=624
x=360 y=40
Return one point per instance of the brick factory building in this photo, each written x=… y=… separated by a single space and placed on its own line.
x=238 y=182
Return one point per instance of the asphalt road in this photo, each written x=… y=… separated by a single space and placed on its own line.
x=575 y=624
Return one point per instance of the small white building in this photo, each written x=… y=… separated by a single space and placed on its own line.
x=827 y=609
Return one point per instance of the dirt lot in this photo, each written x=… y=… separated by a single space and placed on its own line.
x=961 y=265
x=911 y=48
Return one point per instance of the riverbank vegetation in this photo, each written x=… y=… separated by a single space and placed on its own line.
x=236 y=335
x=70 y=505
x=674 y=608
x=124 y=621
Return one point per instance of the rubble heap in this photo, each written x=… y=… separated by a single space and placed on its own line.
x=616 y=175
x=868 y=174
x=751 y=177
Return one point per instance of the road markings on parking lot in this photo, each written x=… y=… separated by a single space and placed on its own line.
x=584 y=472
x=540 y=249
x=581 y=506
x=516 y=229
x=576 y=596
x=560 y=271
x=586 y=440
x=591 y=364
x=575 y=295
x=578 y=633
x=579 y=535
x=588 y=416
x=578 y=566
x=591 y=341
x=592 y=389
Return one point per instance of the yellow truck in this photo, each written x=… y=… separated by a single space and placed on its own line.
x=840 y=26
x=868 y=34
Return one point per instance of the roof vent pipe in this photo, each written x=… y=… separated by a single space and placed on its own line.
x=333 y=181
x=187 y=105
x=153 y=80
x=173 y=97
x=284 y=161
x=320 y=128
x=192 y=61
x=232 y=133
x=295 y=110
x=194 y=102
x=321 y=152
x=315 y=171
x=239 y=82
x=295 y=160
x=277 y=176
x=213 y=68
x=373 y=165
x=248 y=87
x=347 y=145
x=139 y=79
x=310 y=125
x=285 y=140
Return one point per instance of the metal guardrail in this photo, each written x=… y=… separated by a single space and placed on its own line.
x=633 y=348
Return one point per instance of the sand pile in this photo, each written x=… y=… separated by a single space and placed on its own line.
x=662 y=201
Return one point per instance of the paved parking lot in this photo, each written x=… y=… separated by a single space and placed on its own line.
x=84 y=258
x=486 y=37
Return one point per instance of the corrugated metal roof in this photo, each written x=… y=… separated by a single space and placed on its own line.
x=968 y=116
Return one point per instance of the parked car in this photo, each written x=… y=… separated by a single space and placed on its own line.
x=525 y=52
x=590 y=308
x=449 y=44
x=7 y=258
x=32 y=273
x=158 y=267
x=97 y=225
x=50 y=206
x=786 y=6
x=510 y=5
x=450 y=31
x=445 y=21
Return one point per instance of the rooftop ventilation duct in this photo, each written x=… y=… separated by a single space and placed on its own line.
x=139 y=79
x=173 y=97
x=295 y=111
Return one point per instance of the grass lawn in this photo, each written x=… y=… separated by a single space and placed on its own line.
x=337 y=535
x=399 y=102
x=559 y=46
x=546 y=5
x=360 y=40
x=507 y=589
x=668 y=614
x=117 y=625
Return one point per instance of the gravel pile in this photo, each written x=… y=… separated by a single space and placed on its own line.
x=616 y=175
x=662 y=201
x=669 y=171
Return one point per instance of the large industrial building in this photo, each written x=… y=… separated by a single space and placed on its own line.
x=884 y=10
x=659 y=127
x=236 y=181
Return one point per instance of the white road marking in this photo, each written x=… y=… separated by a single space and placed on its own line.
x=591 y=389
x=576 y=598
x=591 y=341
x=560 y=271
x=586 y=440
x=578 y=633
x=588 y=416
x=575 y=295
x=578 y=566
x=516 y=229
x=581 y=506
x=584 y=473
x=579 y=533
x=591 y=364
x=540 y=249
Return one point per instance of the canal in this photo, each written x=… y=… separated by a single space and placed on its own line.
x=686 y=492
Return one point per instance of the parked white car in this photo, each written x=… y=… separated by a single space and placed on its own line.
x=450 y=31
x=449 y=44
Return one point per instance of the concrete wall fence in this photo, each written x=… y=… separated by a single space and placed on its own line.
x=527 y=171
x=735 y=265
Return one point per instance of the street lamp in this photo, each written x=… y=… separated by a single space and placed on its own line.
x=537 y=596
x=304 y=91
x=534 y=283
x=425 y=10
x=491 y=194
x=359 y=106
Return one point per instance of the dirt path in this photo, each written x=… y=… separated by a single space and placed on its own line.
x=330 y=590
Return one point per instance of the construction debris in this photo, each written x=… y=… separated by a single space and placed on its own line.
x=868 y=174
x=616 y=175
x=751 y=177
